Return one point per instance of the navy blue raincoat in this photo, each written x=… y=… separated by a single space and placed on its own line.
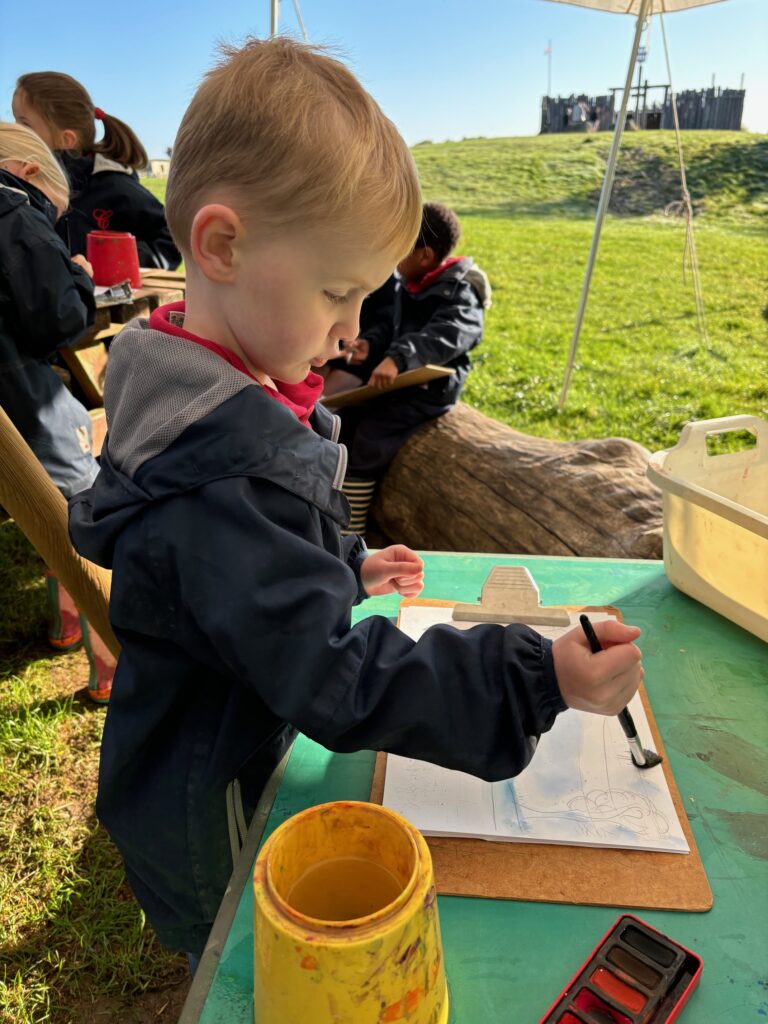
x=232 y=592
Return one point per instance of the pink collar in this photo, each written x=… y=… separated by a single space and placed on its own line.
x=300 y=398
x=424 y=282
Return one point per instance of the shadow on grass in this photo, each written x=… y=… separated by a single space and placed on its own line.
x=662 y=321
x=731 y=168
x=80 y=704
x=565 y=208
x=91 y=956
x=22 y=601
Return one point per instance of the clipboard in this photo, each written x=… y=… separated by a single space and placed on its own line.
x=552 y=873
x=407 y=379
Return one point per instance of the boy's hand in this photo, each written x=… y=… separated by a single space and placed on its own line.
x=602 y=683
x=81 y=261
x=395 y=569
x=356 y=352
x=384 y=373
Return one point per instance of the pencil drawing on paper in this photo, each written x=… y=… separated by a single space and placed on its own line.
x=589 y=803
x=580 y=788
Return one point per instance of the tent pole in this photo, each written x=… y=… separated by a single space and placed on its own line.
x=605 y=196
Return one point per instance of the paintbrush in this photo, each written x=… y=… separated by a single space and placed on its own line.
x=641 y=756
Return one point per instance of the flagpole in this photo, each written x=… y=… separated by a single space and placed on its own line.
x=549 y=68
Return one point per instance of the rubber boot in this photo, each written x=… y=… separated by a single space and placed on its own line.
x=64 y=632
x=101 y=664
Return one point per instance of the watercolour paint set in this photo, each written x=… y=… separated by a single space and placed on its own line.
x=636 y=975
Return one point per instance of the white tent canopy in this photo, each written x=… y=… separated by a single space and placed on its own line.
x=642 y=9
x=634 y=6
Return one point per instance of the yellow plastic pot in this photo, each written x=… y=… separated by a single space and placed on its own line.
x=346 y=924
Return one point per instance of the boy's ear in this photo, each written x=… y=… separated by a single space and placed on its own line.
x=216 y=232
x=428 y=256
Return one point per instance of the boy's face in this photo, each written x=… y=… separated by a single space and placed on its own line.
x=295 y=298
x=418 y=263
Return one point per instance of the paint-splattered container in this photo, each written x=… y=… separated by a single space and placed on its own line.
x=716 y=519
x=346 y=924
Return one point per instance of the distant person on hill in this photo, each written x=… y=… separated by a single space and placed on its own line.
x=579 y=113
x=436 y=317
x=106 y=194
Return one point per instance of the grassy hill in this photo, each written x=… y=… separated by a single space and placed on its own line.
x=561 y=175
x=527 y=207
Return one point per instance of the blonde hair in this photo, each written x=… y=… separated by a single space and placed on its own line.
x=20 y=143
x=63 y=103
x=290 y=136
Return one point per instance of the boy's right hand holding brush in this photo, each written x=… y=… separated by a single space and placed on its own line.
x=602 y=683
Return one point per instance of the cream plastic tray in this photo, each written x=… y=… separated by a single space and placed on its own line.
x=716 y=520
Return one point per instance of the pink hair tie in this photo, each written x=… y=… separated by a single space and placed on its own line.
x=98 y=113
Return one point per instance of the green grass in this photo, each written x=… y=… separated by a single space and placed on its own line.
x=642 y=370
x=527 y=207
x=561 y=175
x=72 y=938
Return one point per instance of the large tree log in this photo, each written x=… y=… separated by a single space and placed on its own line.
x=468 y=483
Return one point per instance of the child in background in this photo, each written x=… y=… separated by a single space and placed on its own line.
x=218 y=504
x=437 y=317
x=46 y=301
x=106 y=194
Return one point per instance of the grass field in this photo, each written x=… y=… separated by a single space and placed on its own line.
x=527 y=208
x=75 y=949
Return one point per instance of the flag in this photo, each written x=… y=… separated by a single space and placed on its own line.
x=548 y=51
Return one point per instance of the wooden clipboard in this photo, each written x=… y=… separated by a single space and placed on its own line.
x=551 y=873
x=407 y=379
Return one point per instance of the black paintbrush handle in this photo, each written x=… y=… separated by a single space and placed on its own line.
x=641 y=757
x=595 y=646
x=627 y=724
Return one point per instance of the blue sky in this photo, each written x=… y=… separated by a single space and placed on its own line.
x=441 y=69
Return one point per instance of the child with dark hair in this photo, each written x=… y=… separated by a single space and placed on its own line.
x=436 y=317
x=106 y=194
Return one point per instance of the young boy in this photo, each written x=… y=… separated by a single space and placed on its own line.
x=218 y=503
x=436 y=317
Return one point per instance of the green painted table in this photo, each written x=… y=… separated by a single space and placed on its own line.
x=506 y=961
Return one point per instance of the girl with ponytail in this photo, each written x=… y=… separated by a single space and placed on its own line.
x=106 y=194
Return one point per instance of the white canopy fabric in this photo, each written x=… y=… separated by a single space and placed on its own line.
x=633 y=6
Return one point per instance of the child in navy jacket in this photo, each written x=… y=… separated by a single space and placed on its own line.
x=219 y=502
x=106 y=194
x=436 y=317
x=46 y=302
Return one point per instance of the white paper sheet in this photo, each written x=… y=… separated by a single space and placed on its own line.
x=580 y=789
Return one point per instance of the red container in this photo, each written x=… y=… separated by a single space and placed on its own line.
x=114 y=257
